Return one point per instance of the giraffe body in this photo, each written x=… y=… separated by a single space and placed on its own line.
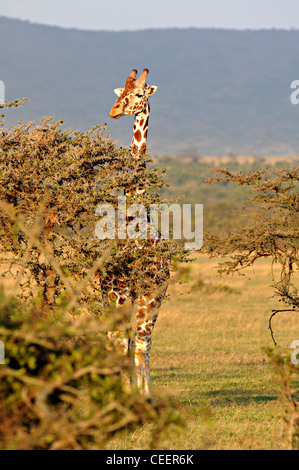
x=133 y=100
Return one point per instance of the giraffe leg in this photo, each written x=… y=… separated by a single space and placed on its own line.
x=146 y=317
x=138 y=350
x=121 y=345
x=146 y=371
x=142 y=370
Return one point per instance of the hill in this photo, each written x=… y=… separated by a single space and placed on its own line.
x=219 y=91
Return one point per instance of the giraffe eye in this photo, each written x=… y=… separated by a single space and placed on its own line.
x=139 y=95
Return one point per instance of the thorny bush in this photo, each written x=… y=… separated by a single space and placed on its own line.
x=51 y=182
x=273 y=206
x=62 y=389
x=60 y=386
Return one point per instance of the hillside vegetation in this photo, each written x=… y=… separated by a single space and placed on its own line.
x=186 y=175
x=220 y=91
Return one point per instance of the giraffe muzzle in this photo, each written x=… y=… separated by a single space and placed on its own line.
x=116 y=111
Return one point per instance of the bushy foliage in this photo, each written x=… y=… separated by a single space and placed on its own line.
x=51 y=182
x=186 y=175
x=61 y=387
x=273 y=233
x=287 y=378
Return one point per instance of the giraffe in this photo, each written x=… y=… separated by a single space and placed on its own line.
x=133 y=100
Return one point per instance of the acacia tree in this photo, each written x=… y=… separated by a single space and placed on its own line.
x=273 y=207
x=51 y=182
x=61 y=387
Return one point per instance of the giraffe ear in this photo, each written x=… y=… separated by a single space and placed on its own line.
x=152 y=90
x=118 y=91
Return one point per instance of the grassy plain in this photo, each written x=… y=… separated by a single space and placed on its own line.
x=207 y=355
x=207 y=345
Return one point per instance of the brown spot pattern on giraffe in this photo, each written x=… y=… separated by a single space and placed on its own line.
x=138 y=135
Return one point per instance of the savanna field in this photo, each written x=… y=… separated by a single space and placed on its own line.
x=114 y=336
x=207 y=355
x=61 y=387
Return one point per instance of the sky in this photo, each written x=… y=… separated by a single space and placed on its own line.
x=120 y=15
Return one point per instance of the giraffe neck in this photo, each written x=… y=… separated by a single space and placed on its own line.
x=138 y=144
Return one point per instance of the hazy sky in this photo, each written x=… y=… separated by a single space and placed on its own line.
x=132 y=14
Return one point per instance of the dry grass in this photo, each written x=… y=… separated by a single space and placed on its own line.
x=207 y=354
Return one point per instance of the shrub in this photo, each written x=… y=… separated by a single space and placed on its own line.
x=287 y=375
x=61 y=388
x=273 y=233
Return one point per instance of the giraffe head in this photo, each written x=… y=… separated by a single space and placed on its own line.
x=132 y=99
